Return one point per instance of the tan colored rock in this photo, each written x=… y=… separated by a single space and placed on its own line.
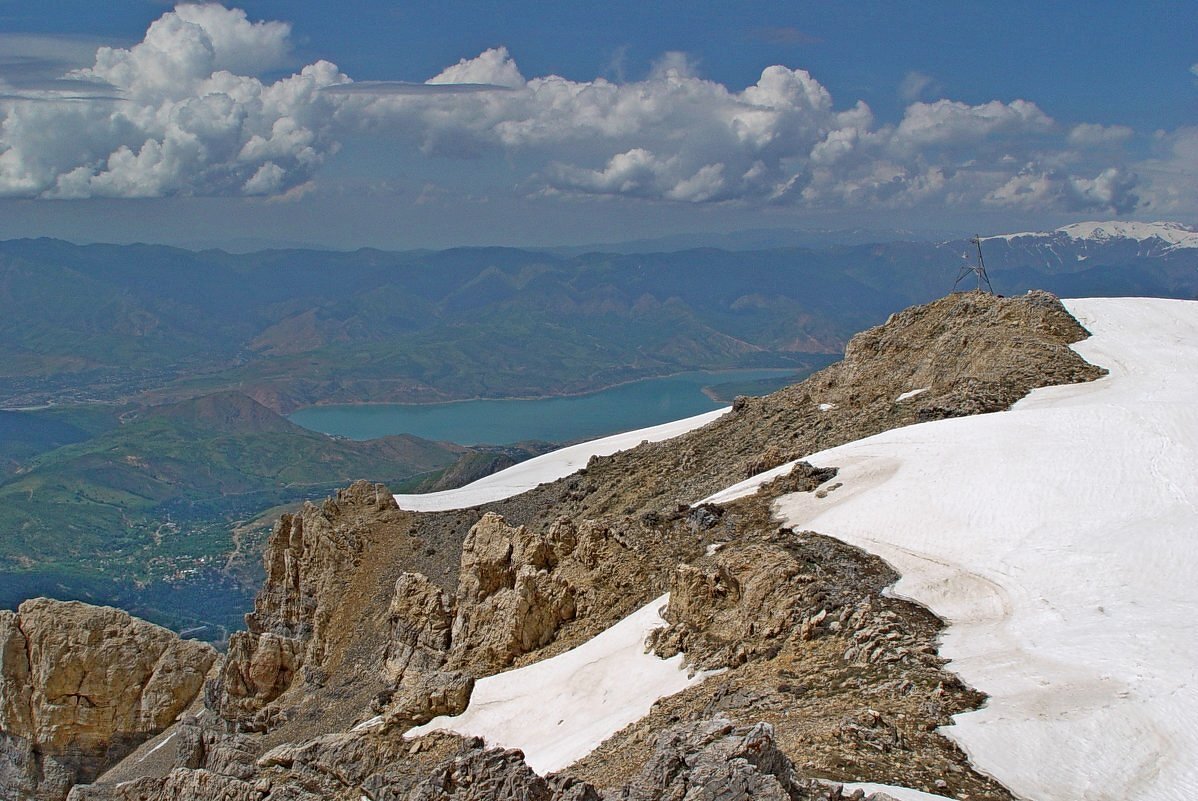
x=509 y=601
x=16 y=689
x=311 y=558
x=421 y=623
x=751 y=597
x=81 y=686
x=179 y=784
x=257 y=669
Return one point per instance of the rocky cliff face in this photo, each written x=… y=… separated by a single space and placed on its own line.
x=373 y=618
x=80 y=687
x=311 y=559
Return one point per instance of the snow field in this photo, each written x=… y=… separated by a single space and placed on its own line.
x=1060 y=542
x=548 y=467
x=560 y=709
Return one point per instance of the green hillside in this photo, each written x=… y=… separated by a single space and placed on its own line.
x=154 y=501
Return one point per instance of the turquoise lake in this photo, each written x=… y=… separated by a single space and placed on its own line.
x=499 y=422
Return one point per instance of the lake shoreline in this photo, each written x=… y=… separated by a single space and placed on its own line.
x=556 y=418
x=552 y=396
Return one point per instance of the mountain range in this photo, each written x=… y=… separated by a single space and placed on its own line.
x=144 y=483
x=295 y=328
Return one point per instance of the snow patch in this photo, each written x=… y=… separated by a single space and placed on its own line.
x=899 y=793
x=373 y=723
x=548 y=467
x=911 y=393
x=1060 y=541
x=827 y=407
x=165 y=740
x=559 y=710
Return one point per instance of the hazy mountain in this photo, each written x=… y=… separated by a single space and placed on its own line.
x=298 y=327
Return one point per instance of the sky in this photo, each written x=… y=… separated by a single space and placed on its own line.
x=403 y=125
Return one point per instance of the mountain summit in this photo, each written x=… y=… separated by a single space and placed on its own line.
x=784 y=661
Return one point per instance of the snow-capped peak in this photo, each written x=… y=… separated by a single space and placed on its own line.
x=1173 y=234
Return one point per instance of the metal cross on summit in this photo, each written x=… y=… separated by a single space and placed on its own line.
x=978 y=269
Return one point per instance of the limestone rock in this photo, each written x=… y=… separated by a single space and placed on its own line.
x=491 y=775
x=257 y=669
x=753 y=597
x=311 y=558
x=509 y=601
x=421 y=623
x=198 y=785
x=80 y=687
x=715 y=760
x=423 y=696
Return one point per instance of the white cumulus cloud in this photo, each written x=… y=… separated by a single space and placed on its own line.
x=186 y=111
x=189 y=117
x=918 y=86
x=1088 y=134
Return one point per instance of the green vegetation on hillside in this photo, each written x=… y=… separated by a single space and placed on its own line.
x=153 y=503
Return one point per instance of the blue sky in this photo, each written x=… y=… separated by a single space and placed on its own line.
x=584 y=122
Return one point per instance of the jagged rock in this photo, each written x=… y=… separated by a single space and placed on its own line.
x=491 y=775
x=80 y=687
x=869 y=729
x=421 y=626
x=257 y=669
x=509 y=601
x=195 y=785
x=421 y=623
x=802 y=477
x=422 y=697
x=218 y=751
x=705 y=516
x=714 y=760
x=754 y=596
x=308 y=557
x=311 y=557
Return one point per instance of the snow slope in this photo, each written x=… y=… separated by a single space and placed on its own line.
x=558 y=710
x=549 y=467
x=1060 y=541
x=1175 y=235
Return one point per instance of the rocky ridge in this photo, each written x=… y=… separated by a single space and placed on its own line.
x=80 y=687
x=370 y=611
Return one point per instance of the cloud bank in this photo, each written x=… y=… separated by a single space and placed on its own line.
x=185 y=112
x=181 y=114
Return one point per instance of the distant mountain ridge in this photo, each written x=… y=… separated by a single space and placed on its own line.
x=294 y=328
x=1174 y=234
x=228 y=412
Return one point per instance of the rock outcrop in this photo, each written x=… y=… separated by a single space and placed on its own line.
x=421 y=625
x=714 y=759
x=369 y=610
x=510 y=599
x=311 y=558
x=516 y=589
x=80 y=687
